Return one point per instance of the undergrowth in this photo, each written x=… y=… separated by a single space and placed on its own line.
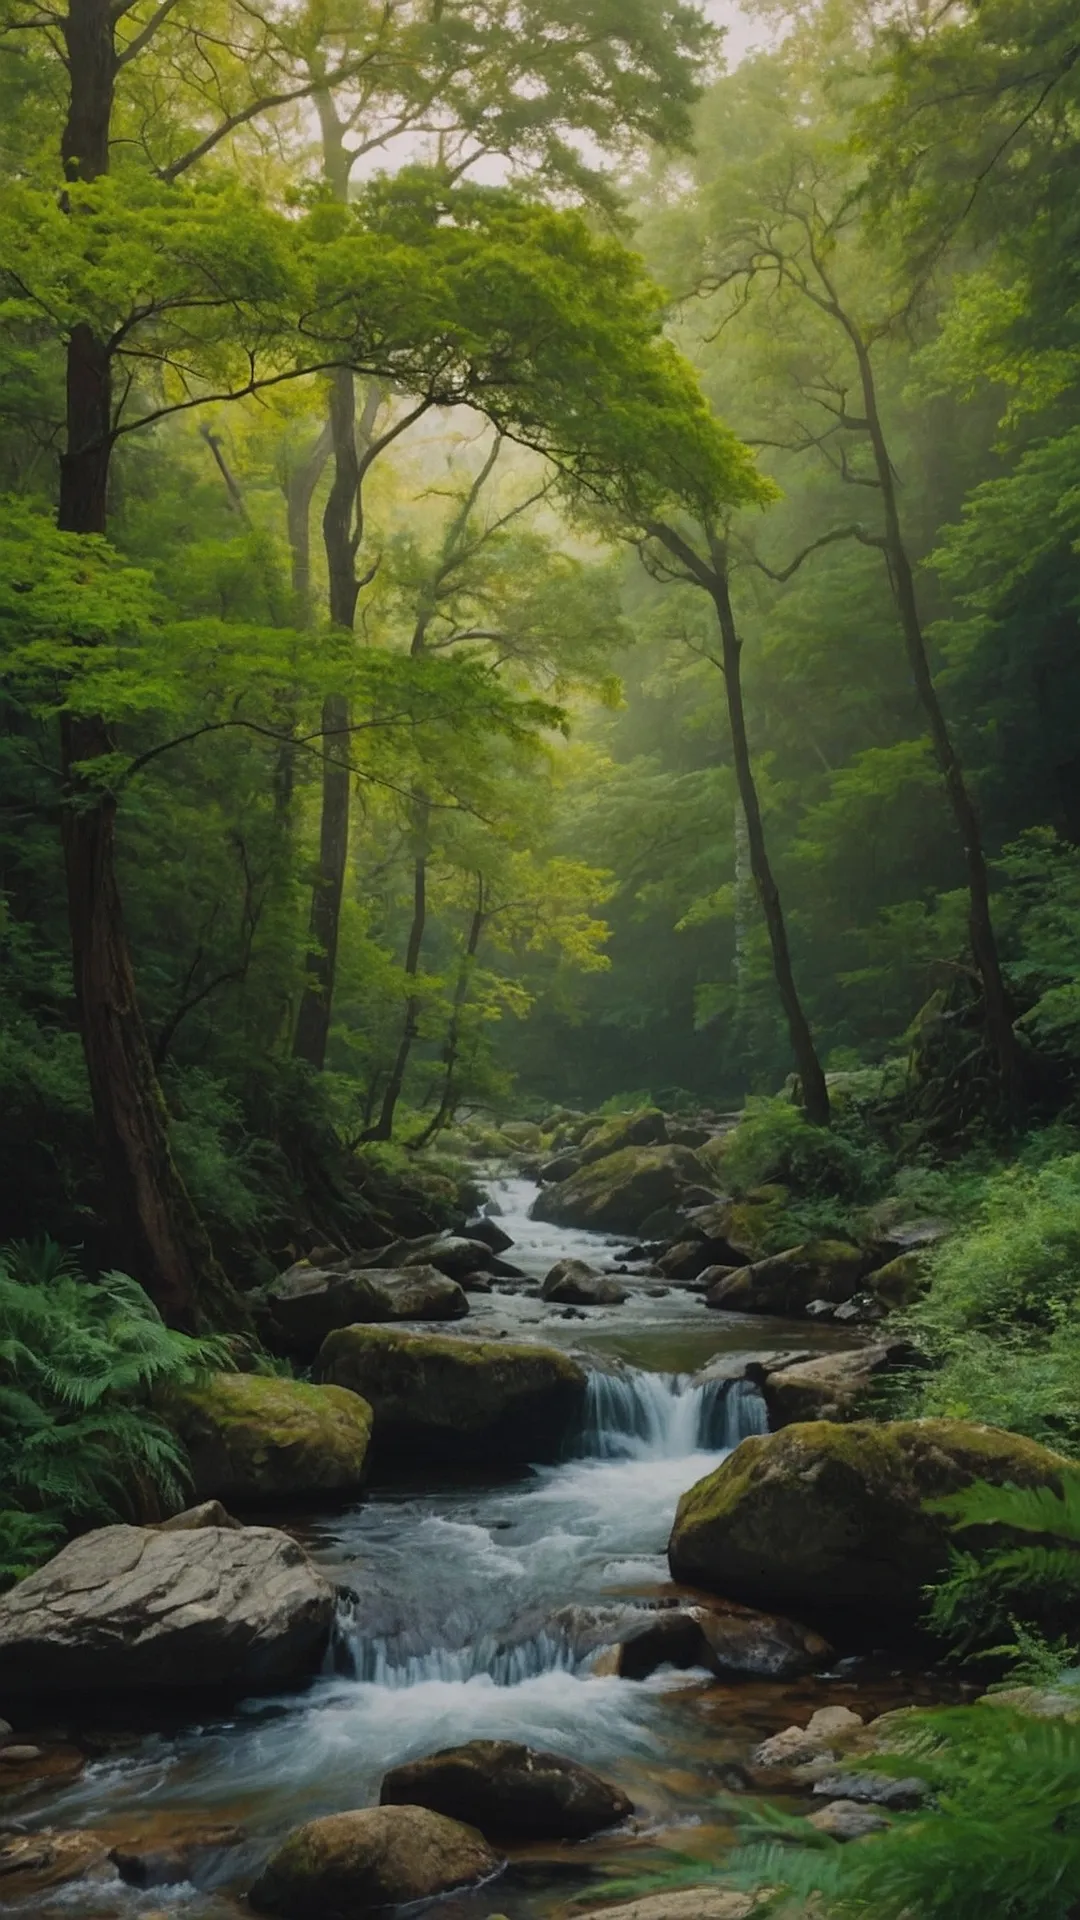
x=80 y=1441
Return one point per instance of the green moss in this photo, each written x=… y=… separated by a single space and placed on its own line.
x=253 y=1439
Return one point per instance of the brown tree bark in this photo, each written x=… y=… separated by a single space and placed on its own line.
x=714 y=577
x=158 y=1231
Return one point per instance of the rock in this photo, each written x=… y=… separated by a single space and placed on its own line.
x=831 y=1385
x=910 y=1236
x=754 y=1365
x=860 y=1311
x=32 y=1862
x=647 y=1128
x=493 y=1236
x=785 y=1283
x=349 y=1865
x=901 y=1281
x=510 y=1792
x=15 y=1754
x=874 y=1790
x=308 y=1303
x=1040 y=1703
x=713 y=1283
x=562 y=1167
x=829 y=1727
x=749 y=1227
x=253 y=1440
x=208 y=1513
x=846 y=1820
x=6 y=1729
x=456 y=1257
x=571 y=1283
x=133 y=1608
x=617 y=1193
x=827 y=1520
x=724 y=1641
x=457 y=1398
x=170 y=1850
x=820 y=1310
x=687 y=1903
x=686 y=1260
x=688 y=1136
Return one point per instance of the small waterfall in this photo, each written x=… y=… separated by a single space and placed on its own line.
x=390 y=1662
x=632 y=1415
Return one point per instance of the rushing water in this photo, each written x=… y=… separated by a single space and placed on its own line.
x=471 y=1611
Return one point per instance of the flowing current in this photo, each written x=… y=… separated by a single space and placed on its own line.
x=470 y=1611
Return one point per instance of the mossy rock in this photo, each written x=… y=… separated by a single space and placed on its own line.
x=786 y=1283
x=440 y=1398
x=618 y=1193
x=254 y=1441
x=900 y=1281
x=646 y=1128
x=830 y=1520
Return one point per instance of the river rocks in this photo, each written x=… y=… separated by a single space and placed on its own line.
x=457 y=1256
x=687 y=1903
x=252 y=1440
x=441 y=1397
x=831 y=1520
x=349 y=1865
x=616 y=1194
x=829 y=1728
x=571 y=1283
x=648 y=1128
x=874 y=1790
x=900 y=1281
x=847 y=1820
x=490 y=1234
x=510 y=1792
x=134 y=1608
x=165 y=1850
x=724 y=1641
x=831 y=1385
x=30 y=1863
x=786 y=1283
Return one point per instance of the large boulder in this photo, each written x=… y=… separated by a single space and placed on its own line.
x=307 y=1303
x=618 y=1193
x=786 y=1283
x=648 y=1128
x=457 y=1256
x=571 y=1283
x=444 y=1397
x=509 y=1791
x=252 y=1440
x=830 y=1386
x=831 y=1521
x=348 y=1865
x=127 y=1609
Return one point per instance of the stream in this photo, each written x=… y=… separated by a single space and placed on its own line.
x=481 y=1608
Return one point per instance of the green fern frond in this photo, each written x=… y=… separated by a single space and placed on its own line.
x=1022 y=1509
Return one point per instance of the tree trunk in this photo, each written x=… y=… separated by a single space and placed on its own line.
x=997 y=1008
x=384 y=1126
x=452 y=1049
x=300 y=485
x=814 y=1090
x=156 y=1226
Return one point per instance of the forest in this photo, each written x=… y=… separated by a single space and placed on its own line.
x=539 y=702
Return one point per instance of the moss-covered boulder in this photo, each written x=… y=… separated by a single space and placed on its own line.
x=253 y=1441
x=349 y=1865
x=437 y=1397
x=787 y=1282
x=901 y=1281
x=647 y=1128
x=618 y=1193
x=828 y=1520
x=510 y=1792
x=830 y=1386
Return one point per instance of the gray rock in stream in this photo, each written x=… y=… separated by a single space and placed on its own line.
x=510 y=1792
x=133 y=1608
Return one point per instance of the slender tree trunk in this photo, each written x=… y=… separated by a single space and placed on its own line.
x=814 y=1088
x=452 y=1049
x=300 y=485
x=997 y=1008
x=313 y=1022
x=744 y=898
x=157 y=1228
x=384 y=1126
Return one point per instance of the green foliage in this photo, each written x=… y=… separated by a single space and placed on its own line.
x=775 y=1143
x=80 y=1361
x=1026 y=1568
x=1001 y=1836
x=1019 y=1268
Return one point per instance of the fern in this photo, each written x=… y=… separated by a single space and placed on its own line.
x=1033 y=1580
x=1001 y=1838
x=80 y=1363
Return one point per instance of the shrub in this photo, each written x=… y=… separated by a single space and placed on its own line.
x=1025 y=1572
x=775 y=1142
x=1019 y=1267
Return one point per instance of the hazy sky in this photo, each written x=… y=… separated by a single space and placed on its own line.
x=741 y=32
